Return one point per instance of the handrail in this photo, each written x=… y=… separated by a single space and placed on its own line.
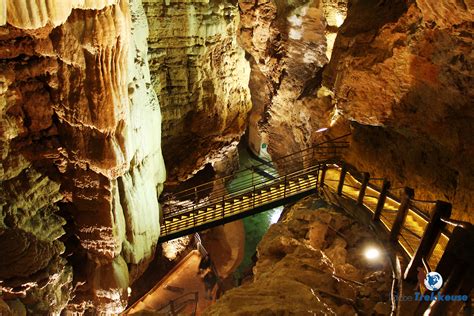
x=376 y=188
x=456 y=223
x=225 y=196
x=219 y=199
x=225 y=208
x=211 y=192
x=192 y=193
x=306 y=152
x=175 y=307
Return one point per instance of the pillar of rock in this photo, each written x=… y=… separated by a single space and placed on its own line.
x=80 y=154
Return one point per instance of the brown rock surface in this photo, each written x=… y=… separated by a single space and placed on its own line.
x=405 y=81
x=76 y=150
x=225 y=244
x=290 y=43
x=201 y=78
x=291 y=276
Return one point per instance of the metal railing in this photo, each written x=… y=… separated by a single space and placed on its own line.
x=177 y=305
x=210 y=204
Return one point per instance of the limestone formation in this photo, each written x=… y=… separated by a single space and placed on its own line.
x=405 y=81
x=296 y=274
x=290 y=43
x=399 y=76
x=201 y=77
x=81 y=164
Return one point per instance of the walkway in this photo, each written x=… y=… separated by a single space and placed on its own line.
x=415 y=222
x=181 y=285
x=210 y=204
x=416 y=230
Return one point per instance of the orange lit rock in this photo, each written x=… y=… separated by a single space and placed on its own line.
x=292 y=276
x=289 y=44
x=404 y=80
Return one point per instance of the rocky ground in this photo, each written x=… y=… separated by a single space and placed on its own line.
x=312 y=262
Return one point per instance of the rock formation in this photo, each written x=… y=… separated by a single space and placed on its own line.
x=402 y=74
x=200 y=75
x=290 y=43
x=399 y=74
x=312 y=263
x=81 y=164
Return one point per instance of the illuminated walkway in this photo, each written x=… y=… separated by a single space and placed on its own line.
x=415 y=222
x=210 y=204
x=423 y=229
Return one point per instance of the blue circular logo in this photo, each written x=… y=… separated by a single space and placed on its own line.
x=433 y=281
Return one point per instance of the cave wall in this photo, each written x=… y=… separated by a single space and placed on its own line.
x=290 y=42
x=200 y=75
x=81 y=163
x=398 y=77
x=402 y=75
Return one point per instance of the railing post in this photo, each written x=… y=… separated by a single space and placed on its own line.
x=341 y=179
x=323 y=175
x=252 y=173
x=172 y=309
x=408 y=194
x=363 y=188
x=429 y=238
x=253 y=197
x=317 y=176
x=381 y=201
x=284 y=191
x=223 y=206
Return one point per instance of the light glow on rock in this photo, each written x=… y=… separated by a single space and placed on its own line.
x=275 y=215
x=172 y=248
x=372 y=253
x=295 y=34
x=335 y=116
x=310 y=57
x=340 y=19
x=295 y=20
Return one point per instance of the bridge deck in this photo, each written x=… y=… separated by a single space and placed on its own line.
x=230 y=207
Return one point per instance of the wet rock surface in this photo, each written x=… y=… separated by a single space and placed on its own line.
x=289 y=43
x=312 y=262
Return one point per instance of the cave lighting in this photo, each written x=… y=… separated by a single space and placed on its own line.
x=322 y=129
x=372 y=253
x=336 y=114
x=295 y=20
x=295 y=34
